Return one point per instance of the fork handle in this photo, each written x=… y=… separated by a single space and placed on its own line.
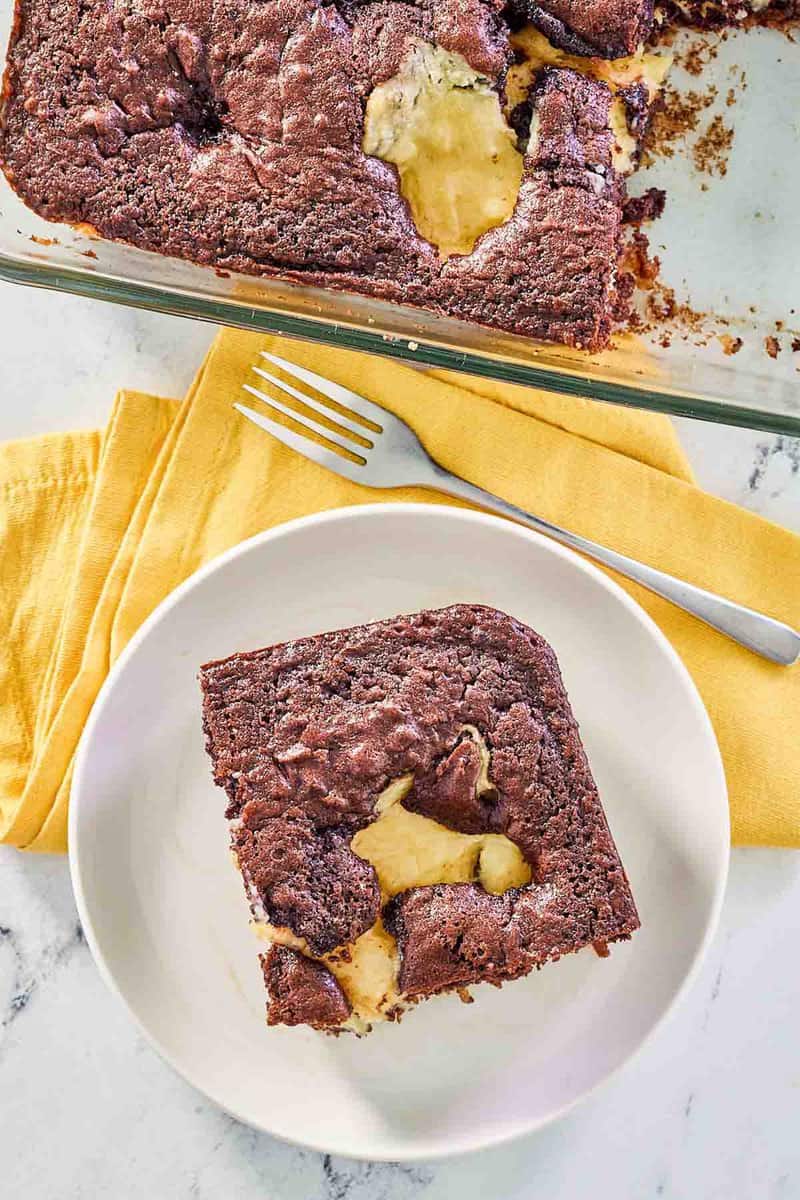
x=758 y=632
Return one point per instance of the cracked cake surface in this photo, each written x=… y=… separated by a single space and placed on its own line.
x=412 y=812
x=232 y=134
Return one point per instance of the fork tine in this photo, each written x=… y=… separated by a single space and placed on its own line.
x=306 y=422
x=330 y=413
x=296 y=441
x=334 y=391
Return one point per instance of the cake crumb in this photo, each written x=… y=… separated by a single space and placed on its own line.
x=710 y=153
x=696 y=57
x=647 y=207
x=639 y=262
x=678 y=117
x=658 y=302
x=730 y=345
x=772 y=346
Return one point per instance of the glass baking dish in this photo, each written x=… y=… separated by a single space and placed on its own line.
x=729 y=245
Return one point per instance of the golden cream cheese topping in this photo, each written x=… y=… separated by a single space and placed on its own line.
x=408 y=850
x=442 y=126
x=536 y=52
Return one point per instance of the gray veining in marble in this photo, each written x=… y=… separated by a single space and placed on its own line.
x=709 y=1110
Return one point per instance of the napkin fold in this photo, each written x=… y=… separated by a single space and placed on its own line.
x=97 y=528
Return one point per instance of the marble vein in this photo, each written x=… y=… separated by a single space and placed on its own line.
x=30 y=976
x=781 y=451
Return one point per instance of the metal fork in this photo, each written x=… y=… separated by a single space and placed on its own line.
x=388 y=454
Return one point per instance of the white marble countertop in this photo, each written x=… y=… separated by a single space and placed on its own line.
x=710 y=1108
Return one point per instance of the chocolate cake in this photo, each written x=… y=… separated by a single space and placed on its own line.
x=240 y=135
x=728 y=14
x=412 y=812
x=604 y=29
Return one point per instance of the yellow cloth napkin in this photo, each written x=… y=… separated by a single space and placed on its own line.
x=97 y=528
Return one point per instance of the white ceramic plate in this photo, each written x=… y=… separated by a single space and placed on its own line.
x=165 y=913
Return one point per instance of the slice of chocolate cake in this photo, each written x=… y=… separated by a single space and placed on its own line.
x=412 y=812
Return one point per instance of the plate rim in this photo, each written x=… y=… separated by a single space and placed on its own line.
x=512 y=1131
